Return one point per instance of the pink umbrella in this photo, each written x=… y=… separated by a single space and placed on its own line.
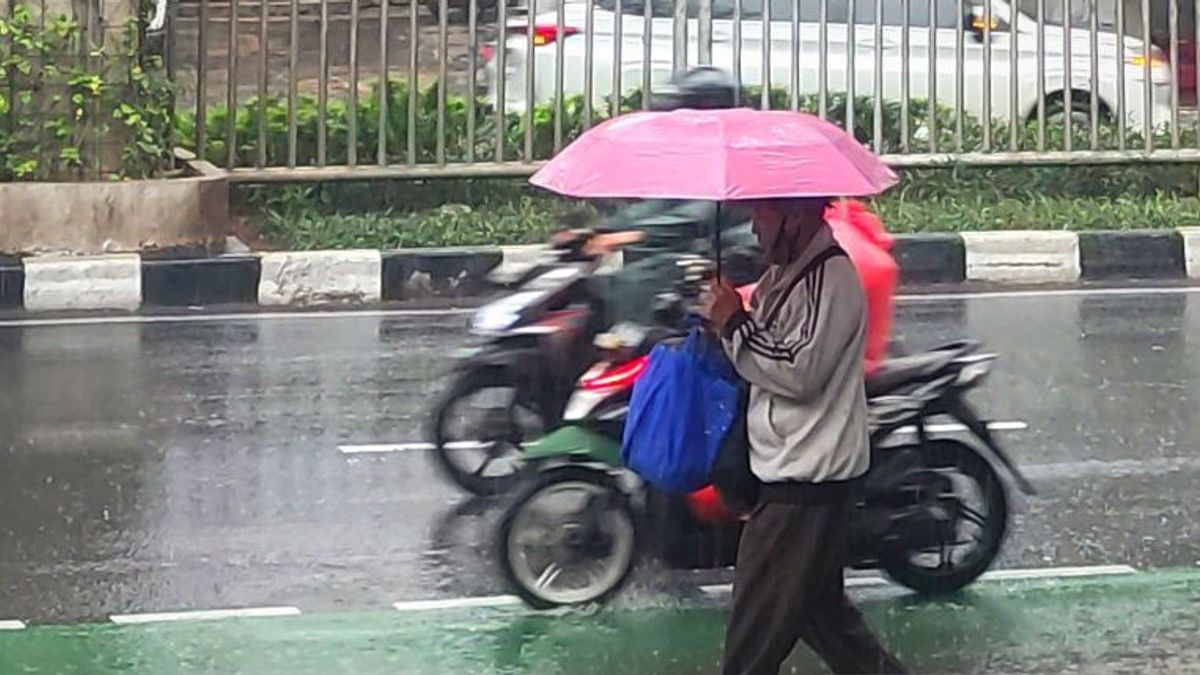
x=716 y=155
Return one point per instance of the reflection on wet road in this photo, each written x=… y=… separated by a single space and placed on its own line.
x=166 y=466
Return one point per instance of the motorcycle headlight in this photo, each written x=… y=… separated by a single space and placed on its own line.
x=502 y=314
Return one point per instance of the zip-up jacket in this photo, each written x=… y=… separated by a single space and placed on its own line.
x=801 y=349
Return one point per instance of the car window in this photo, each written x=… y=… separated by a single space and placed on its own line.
x=1080 y=12
x=837 y=11
x=660 y=9
x=946 y=13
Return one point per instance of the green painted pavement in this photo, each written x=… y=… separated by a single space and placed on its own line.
x=1139 y=623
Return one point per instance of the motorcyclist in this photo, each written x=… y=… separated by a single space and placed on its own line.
x=674 y=227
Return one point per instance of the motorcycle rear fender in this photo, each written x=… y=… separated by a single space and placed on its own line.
x=576 y=443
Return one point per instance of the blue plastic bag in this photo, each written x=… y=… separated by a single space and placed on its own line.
x=681 y=410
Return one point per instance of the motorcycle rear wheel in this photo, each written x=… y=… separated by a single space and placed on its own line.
x=502 y=438
x=961 y=461
x=600 y=547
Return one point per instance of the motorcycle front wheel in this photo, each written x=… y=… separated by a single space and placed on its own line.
x=976 y=501
x=480 y=426
x=570 y=538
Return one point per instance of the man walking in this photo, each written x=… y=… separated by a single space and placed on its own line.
x=801 y=350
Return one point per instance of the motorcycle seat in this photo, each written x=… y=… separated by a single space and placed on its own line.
x=899 y=372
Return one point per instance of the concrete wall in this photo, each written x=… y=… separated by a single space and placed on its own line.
x=129 y=216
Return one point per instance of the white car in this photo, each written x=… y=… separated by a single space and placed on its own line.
x=1114 y=56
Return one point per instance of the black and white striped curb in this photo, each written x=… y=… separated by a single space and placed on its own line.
x=363 y=277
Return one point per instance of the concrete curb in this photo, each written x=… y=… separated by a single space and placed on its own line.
x=930 y=258
x=1191 y=251
x=64 y=284
x=1138 y=254
x=292 y=278
x=361 y=277
x=1030 y=257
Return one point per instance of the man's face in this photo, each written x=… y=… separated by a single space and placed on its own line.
x=768 y=226
x=777 y=225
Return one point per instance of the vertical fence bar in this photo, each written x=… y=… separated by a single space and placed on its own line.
x=823 y=62
x=988 y=17
x=170 y=56
x=1068 y=80
x=1174 y=21
x=472 y=77
x=1014 y=79
x=589 y=62
x=385 y=85
x=905 y=69
x=530 y=66
x=1041 y=74
x=704 y=35
x=560 y=21
x=323 y=88
x=932 y=123
x=352 y=113
x=443 y=74
x=647 y=46
x=851 y=64
x=201 y=78
x=960 y=35
x=618 y=53
x=264 y=58
x=414 y=85
x=1122 y=112
x=737 y=49
x=766 y=55
x=501 y=77
x=83 y=51
x=679 y=35
x=878 y=78
x=797 y=49
x=1094 y=68
x=1147 y=79
x=293 y=81
x=231 y=83
x=1196 y=31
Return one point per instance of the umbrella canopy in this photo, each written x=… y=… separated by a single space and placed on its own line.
x=717 y=155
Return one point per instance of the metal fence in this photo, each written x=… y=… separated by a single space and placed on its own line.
x=923 y=82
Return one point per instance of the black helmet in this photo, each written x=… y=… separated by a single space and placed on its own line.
x=700 y=88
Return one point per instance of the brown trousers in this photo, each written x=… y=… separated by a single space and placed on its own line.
x=789 y=585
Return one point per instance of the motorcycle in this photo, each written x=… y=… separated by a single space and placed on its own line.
x=538 y=341
x=931 y=513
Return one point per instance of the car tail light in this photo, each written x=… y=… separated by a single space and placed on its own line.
x=545 y=35
x=1157 y=58
x=619 y=376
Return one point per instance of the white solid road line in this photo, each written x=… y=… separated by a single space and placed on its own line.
x=405 y=447
x=457 y=603
x=1047 y=293
x=11 y=624
x=869 y=581
x=204 y=615
x=852 y=581
x=418 y=446
x=234 y=316
x=460 y=311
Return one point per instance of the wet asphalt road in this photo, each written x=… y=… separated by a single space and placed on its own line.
x=191 y=465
